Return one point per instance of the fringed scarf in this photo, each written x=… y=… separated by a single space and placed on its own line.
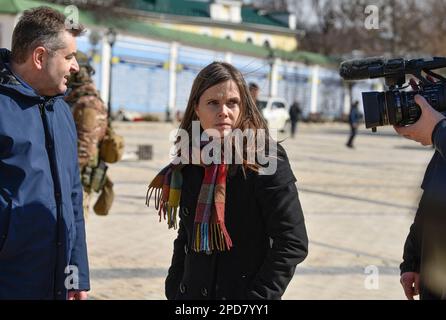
x=209 y=225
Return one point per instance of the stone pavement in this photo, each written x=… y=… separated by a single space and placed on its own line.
x=358 y=205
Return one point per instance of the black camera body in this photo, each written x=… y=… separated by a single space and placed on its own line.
x=396 y=106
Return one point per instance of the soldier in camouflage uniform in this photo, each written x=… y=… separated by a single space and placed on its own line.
x=90 y=116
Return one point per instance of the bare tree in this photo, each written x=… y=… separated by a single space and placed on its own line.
x=435 y=27
x=406 y=27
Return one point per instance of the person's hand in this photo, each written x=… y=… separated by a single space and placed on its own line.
x=421 y=131
x=411 y=284
x=77 y=295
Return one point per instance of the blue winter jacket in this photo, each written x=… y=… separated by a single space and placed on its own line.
x=43 y=250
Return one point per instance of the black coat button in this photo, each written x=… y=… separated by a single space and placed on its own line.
x=185 y=211
x=182 y=288
x=204 y=292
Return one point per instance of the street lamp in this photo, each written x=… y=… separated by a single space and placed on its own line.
x=271 y=58
x=111 y=39
x=94 y=39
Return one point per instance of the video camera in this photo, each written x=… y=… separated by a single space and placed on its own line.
x=395 y=106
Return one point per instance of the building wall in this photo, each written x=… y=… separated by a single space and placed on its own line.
x=141 y=77
x=283 y=42
x=7 y=23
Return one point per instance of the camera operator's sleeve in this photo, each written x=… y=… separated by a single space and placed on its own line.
x=412 y=247
x=439 y=138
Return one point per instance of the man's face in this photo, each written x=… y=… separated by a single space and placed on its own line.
x=58 y=67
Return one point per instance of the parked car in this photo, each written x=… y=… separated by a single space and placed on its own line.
x=126 y=115
x=275 y=110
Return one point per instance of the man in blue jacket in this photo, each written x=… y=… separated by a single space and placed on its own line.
x=43 y=253
x=423 y=270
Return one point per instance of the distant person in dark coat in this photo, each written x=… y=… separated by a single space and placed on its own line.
x=295 y=113
x=254 y=90
x=353 y=119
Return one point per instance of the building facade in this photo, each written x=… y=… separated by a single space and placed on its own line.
x=224 y=19
x=150 y=68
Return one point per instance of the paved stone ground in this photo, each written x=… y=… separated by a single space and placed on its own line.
x=358 y=206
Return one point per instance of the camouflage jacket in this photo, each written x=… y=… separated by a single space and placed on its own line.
x=90 y=117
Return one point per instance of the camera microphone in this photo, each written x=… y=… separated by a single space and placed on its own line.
x=359 y=69
x=396 y=106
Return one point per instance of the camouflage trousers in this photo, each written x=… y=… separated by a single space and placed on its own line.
x=86 y=203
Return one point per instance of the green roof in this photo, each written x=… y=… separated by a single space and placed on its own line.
x=145 y=29
x=16 y=6
x=8 y=6
x=200 y=9
x=193 y=39
x=174 y=7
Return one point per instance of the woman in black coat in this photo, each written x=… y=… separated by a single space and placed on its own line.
x=241 y=228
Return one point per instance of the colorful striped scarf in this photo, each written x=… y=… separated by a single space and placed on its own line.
x=209 y=225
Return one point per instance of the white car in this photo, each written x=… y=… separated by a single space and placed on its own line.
x=275 y=111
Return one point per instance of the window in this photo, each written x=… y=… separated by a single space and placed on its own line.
x=205 y=31
x=261 y=104
x=249 y=40
x=266 y=44
x=278 y=105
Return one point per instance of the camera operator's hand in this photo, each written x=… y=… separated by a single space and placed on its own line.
x=421 y=131
x=411 y=284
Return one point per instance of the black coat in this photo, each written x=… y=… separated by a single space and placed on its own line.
x=265 y=221
x=295 y=112
x=425 y=247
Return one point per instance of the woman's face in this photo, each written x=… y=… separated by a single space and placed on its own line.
x=219 y=107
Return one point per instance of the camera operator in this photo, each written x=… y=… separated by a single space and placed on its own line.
x=423 y=270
